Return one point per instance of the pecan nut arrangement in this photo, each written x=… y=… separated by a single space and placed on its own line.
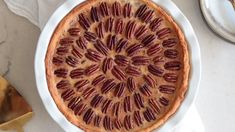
x=117 y=65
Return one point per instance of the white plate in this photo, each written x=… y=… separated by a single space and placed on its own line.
x=220 y=16
x=58 y=15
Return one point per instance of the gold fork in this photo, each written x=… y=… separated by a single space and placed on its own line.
x=233 y=3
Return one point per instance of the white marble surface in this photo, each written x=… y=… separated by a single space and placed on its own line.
x=215 y=102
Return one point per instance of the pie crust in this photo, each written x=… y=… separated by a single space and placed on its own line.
x=117 y=65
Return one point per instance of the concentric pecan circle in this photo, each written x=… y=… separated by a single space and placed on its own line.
x=118 y=65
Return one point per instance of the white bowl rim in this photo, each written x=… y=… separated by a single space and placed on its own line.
x=63 y=10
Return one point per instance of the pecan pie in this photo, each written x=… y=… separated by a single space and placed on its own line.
x=117 y=65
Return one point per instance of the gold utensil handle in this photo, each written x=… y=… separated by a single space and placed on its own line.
x=233 y=3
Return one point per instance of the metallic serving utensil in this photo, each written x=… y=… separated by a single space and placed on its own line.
x=233 y=3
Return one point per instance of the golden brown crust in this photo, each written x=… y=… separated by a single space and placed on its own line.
x=51 y=82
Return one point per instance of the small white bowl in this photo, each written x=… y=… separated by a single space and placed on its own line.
x=63 y=10
x=220 y=17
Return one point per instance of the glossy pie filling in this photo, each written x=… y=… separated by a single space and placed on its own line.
x=117 y=65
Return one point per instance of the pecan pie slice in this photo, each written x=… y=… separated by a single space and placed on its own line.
x=117 y=65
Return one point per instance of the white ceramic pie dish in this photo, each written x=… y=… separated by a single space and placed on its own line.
x=63 y=10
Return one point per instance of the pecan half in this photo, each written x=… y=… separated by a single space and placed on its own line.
x=57 y=60
x=74 y=31
x=71 y=61
x=116 y=9
x=107 y=86
x=104 y=9
x=97 y=120
x=84 y=21
x=94 y=14
x=67 y=41
x=155 y=24
x=128 y=122
x=163 y=33
x=127 y=10
x=73 y=103
x=127 y=104
x=122 y=43
x=170 y=77
x=107 y=64
x=81 y=84
x=140 y=60
x=139 y=102
x=130 y=28
x=62 y=50
x=164 y=101
x=168 y=43
x=76 y=52
x=76 y=73
x=111 y=41
x=131 y=85
x=80 y=109
x=81 y=42
x=99 y=30
x=138 y=118
x=155 y=49
x=99 y=79
x=133 y=49
x=133 y=71
x=97 y=99
x=119 y=26
x=155 y=70
x=119 y=89
x=88 y=116
x=109 y=24
x=107 y=123
x=121 y=60
x=117 y=123
x=154 y=105
x=158 y=59
x=141 y=10
x=173 y=65
x=90 y=36
x=63 y=84
x=171 y=53
x=145 y=90
x=67 y=94
x=149 y=115
x=93 y=55
x=118 y=73
x=115 y=109
x=91 y=69
x=101 y=47
x=89 y=92
x=167 y=89
x=148 y=40
x=149 y=80
x=106 y=105
x=147 y=16
x=61 y=72
x=140 y=32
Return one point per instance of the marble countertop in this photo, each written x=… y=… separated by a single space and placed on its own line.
x=215 y=102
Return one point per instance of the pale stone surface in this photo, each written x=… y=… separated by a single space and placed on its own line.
x=18 y=40
x=215 y=102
